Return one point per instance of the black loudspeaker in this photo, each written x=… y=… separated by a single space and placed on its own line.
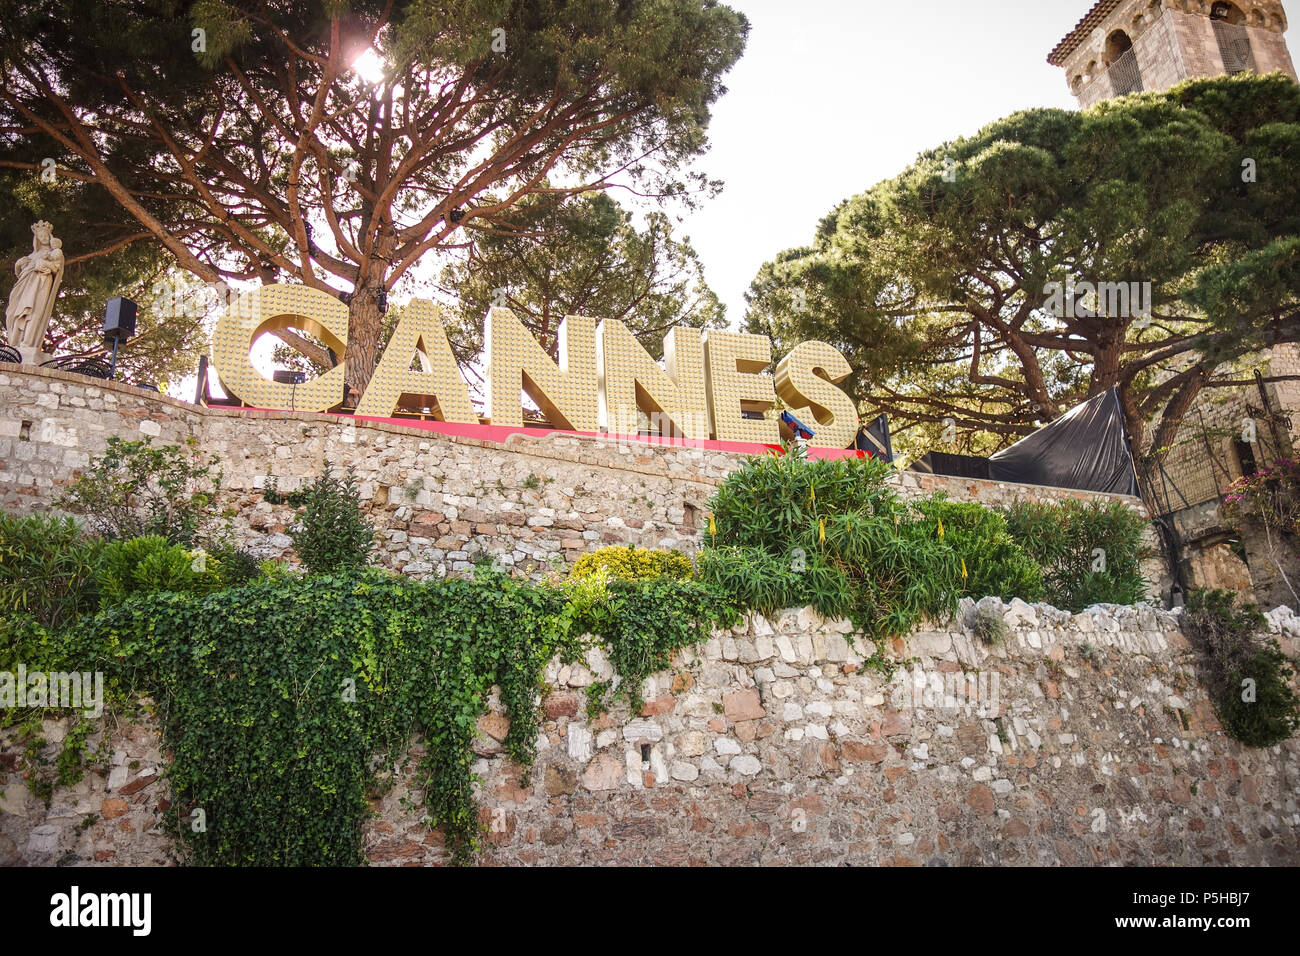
x=288 y=376
x=119 y=319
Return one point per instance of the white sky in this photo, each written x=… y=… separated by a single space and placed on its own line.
x=832 y=96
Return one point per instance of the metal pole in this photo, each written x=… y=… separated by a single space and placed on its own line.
x=1278 y=447
x=112 y=368
x=201 y=385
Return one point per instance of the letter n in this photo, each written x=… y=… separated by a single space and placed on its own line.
x=630 y=379
x=516 y=364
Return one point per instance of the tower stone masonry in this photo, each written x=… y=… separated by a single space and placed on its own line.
x=1126 y=46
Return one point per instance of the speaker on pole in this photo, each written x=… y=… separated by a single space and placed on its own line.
x=119 y=325
x=119 y=319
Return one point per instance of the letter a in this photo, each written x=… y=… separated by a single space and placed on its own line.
x=420 y=335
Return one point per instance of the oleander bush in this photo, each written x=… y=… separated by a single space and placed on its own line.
x=787 y=531
x=1090 y=553
x=48 y=568
x=993 y=563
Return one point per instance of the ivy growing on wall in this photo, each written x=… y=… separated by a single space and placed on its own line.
x=277 y=698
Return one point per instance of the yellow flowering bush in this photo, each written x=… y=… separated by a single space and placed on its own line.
x=632 y=564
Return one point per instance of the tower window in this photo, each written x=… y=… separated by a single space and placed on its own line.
x=1234 y=42
x=1227 y=13
x=1245 y=458
x=1122 y=65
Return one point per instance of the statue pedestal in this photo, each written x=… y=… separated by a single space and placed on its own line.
x=33 y=356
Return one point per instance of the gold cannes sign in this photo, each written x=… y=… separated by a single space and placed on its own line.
x=602 y=378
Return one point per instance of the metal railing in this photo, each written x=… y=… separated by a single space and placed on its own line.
x=1124 y=75
x=1234 y=47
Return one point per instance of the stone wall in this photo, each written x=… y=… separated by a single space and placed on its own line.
x=1081 y=739
x=438 y=501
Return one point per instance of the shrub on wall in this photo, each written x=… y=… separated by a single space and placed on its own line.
x=786 y=531
x=631 y=563
x=136 y=489
x=331 y=534
x=1247 y=677
x=995 y=565
x=1090 y=553
x=48 y=568
x=143 y=565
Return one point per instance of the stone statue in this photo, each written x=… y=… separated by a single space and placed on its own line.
x=32 y=300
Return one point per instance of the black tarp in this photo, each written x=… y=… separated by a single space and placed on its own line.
x=958 y=466
x=1086 y=448
x=875 y=439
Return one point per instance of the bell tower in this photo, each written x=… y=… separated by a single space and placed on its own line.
x=1126 y=46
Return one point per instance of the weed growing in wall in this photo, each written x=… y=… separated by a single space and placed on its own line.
x=990 y=626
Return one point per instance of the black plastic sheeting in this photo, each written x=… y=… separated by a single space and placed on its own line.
x=958 y=466
x=1086 y=448
x=875 y=439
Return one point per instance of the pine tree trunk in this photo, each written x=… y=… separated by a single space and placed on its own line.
x=362 y=354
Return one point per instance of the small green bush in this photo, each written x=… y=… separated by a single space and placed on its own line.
x=48 y=568
x=990 y=626
x=1090 y=553
x=136 y=490
x=331 y=535
x=995 y=564
x=145 y=565
x=277 y=571
x=235 y=565
x=632 y=564
x=1245 y=675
